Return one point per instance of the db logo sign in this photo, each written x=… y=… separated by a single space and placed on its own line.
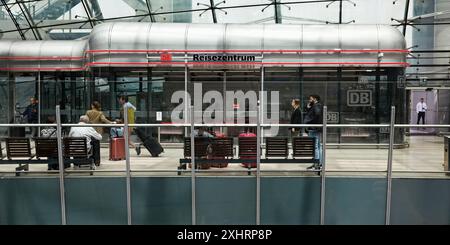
x=166 y=57
x=359 y=98
x=333 y=117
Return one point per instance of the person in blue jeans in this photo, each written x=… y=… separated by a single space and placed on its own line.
x=313 y=115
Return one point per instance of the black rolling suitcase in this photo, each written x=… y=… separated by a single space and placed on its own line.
x=150 y=143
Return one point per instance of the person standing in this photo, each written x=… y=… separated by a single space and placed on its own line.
x=32 y=114
x=96 y=116
x=296 y=117
x=314 y=116
x=421 y=108
x=123 y=100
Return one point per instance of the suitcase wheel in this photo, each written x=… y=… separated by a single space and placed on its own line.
x=138 y=150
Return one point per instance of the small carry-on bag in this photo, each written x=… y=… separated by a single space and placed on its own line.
x=116 y=145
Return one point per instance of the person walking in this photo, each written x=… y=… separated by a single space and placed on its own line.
x=314 y=116
x=123 y=101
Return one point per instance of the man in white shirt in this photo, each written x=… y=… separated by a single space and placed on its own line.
x=88 y=132
x=421 y=108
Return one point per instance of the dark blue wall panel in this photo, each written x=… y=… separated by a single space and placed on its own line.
x=96 y=200
x=290 y=200
x=226 y=200
x=355 y=200
x=420 y=201
x=161 y=200
x=28 y=201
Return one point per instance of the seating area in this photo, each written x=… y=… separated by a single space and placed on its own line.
x=218 y=152
x=20 y=151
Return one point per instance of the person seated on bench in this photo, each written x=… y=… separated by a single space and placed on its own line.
x=88 y=132
x=49 y=132
x=200 y=132
x=205 y=137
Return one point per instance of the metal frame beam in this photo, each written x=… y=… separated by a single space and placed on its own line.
x=13 y=19
x=29 y=20
x=88 y=12
x=405 y=17
x=149 y=8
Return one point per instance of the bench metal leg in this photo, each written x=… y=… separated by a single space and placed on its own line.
x=21 y=167
x=183 y=166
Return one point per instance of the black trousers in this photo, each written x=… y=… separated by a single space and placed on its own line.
x=419 y=116
x=96 y=151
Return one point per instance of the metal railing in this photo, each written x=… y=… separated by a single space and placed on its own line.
x=128 y=171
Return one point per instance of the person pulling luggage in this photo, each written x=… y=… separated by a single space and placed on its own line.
x=123 y=101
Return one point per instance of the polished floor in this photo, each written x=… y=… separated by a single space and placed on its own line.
x=423 y=158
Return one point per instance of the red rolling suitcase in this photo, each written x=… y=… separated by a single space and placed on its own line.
x=117 y=149
x=248 y=150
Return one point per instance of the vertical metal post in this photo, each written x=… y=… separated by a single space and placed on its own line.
x=261 y=104
x=127 y=162
x=224 y=112
x=159 y=134
x=258 y=167
x=62 y=194
x=186 y=95
x=322 y=171
x=389 y=166
x=193 y=197
x=39 y=103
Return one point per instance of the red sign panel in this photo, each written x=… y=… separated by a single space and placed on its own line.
x=166 y=57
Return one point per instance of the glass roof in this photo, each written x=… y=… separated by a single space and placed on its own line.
x=35 y=19
x=425 y=23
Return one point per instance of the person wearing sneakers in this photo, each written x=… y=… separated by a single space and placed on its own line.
x=313 y=115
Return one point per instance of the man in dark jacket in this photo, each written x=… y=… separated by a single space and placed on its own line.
x=296 y=117
x=314 y=116
x=31 y=113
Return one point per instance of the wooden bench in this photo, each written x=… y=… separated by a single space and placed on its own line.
x=277 y=147
x=222 y=148
x=303 y=151
x=76 y=152
x=46 y=148
x=19 y=148
x=303 y=147
x=201 y=151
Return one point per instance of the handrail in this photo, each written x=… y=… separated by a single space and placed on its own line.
x=229 y=125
